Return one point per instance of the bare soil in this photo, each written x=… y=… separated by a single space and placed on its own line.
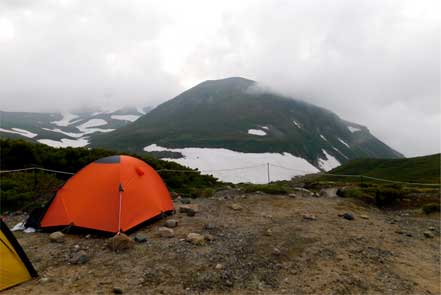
x=267 y=247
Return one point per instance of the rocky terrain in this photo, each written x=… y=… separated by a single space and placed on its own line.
x=248 y=244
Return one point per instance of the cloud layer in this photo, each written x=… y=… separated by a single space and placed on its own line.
x=373 y=62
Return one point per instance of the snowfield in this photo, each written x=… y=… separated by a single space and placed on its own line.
x=131 y=118
x=256 y=132
x=66 y=121
x=235 y=167
x=71 y=134
x=65 y=142
x=329 y=163
x=324 y=138
x=297 y=124
x=344 y=142
x=20 y=132
x=353 y=129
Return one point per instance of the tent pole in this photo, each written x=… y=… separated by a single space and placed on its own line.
x=119 y=213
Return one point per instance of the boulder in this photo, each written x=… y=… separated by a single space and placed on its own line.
x=166 y=232
x=171 y=223
x=56 y=237
x=196 y=239
x=189 y=209
x=120 y=242
x=79 y=257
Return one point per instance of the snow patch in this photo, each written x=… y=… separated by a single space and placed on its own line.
x=329 y=162
x=324 y=138
x=353 y=129
x=66 y=121
x=20 y=132
x=297 y=124
x=71 y=134
x=256 y=132
x=344 y=142
x=92 y=123
x=338 y=151
x=240 y=167
x=131 y=118
x=65 y=142
x=265 y=127
x=140 y=110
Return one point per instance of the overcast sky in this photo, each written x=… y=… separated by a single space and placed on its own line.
x=376 y=63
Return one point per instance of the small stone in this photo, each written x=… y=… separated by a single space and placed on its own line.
x=276 y=252
x=209 y=226
x=432 y=228
x=309 y=217
x=185 y=201
x=88 y=236
x=196 y=239
x=174 y=195
x=190 y=209
x=292 y=195
x=56 y=237
x=236 y=207
x=76 y=248
x=80 y=257
x=209 y=237
x=44 y=280
x=120 y=242
x=140 y=238
x=364 y=216
x=268 y=232
x=348 y=216
x=219 y=266
x=408 y=235
x=171 y=223
x=428 y=234
x=166 y=232
x=117 y=290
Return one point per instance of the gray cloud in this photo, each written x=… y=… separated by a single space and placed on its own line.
x=373 y=62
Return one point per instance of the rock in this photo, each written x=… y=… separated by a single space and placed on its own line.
x=219 y=266
x=44 y=280
x=209 y=237
x=174 y=195
x=268 y=232
x=190 y=209
x=117 y=290
x=428 y=234
x=120 y=242
x=432 y=228
x=209 y=226
x=76 y=248
x=292 y=195
x=408 y=235
x=364 y=216
x=80 y=257
x=166 y=232
x=303 y=192
x=235 y=207
x=276 y=252
x=56 y=237
x=140 y=238
x=88 y=236
x=195 y=239
x=348 y=216
x=185 y=201
x=171 y=223
x=309 y=217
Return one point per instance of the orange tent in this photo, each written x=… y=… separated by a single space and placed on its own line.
x=112 y=194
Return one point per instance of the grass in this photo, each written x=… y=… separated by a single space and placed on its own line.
x=271 y=188
x=431 y=207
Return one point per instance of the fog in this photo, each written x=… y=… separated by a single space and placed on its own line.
x=376 y=63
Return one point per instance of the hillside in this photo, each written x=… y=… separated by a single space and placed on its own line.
x=420 y=169
x=236 y=114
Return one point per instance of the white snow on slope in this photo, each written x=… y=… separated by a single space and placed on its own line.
x=344 y=142
x=297 y=124
x=207 y=160
x=338 y=151
x=131 y=118
x=265 y=127
x=71 y=134
x=324 y=138
x=256 y=132
x=140 y=110
x=93 y=123
x=329 y=163
x=20 y=132
x=353 y=129
x=65 y=142
x=66 y=121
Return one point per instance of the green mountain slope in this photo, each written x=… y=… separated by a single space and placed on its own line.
x=420 y=169
x=220 y=113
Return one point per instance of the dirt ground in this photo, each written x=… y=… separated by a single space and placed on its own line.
x=267 y=247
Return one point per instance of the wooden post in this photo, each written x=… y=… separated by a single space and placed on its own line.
x=268 y=171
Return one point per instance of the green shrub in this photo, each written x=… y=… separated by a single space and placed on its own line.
x=350 y=192
x=385 y=196
x=272 y=188
x=431 y=207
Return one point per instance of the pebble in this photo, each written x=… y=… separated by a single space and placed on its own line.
x=268 y=232
x=219 y=266
x=428 y=234
x=236 y=207
x=209 y=226
x=309 y=217
x=80 y=257
x=276 y=252
x=117 y=290
x=140 y=238
x=166 y=232
x=348 y=216
x=432 y=228
x=196 y=239
x=364 y=216
x=209 y=237
x=56 y=237
x=171 y=223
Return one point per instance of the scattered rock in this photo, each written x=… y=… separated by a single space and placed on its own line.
x=432 y=228
x=56 y=237
x=276 y=252
x=196 y=239
x=117 y=290
x=80 y=257
x=76 y=248
x=209 y=226
x=140 y=238
x=292 y=195
x=44 y=280
x=303 y=192
x=174 y=195
x=185 y=201
x=209 y=237
x=268 y=232
x=88 y=236
x=219 y=266
x=120 y=242
x=171 y=223
x=190 y=209
x=309 y=217
x=364 y=216
x=428 y=234
x=166 y=232
x=236 y=207
x=348 y=216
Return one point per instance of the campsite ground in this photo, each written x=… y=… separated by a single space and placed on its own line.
x=267 y=246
